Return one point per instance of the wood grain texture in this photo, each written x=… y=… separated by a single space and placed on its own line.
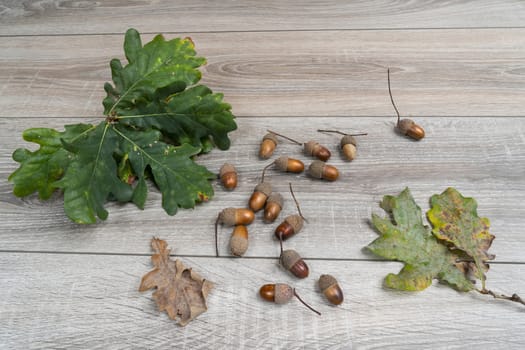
x=78 y=301
x=337 y=73
x=481 y=157
x=37 y=17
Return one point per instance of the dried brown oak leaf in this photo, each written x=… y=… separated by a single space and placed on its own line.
x=181 y=292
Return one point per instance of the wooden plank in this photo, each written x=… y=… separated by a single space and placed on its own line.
x=81 y=17
x=79 y=301
x=334 y=73
x=482 y=157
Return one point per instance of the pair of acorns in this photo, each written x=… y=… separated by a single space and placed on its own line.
x=282 y=293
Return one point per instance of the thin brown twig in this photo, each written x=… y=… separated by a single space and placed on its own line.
x=391 y=98
x=342 y=133
x=264 y=170
x=304 y=303
x=286 y=137
x=296 y=202
x=217 y=237
x=514 y=297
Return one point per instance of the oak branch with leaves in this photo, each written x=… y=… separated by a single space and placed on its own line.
x=454 y=250
x=157 y=118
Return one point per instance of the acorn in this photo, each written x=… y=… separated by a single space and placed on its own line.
x=228 y=176
x=239 y=240
x=259 y=196
x=331 y=289
x=290 y=226
x=287 y=164
x=320 y=170
x=281 y=293
x=292 y=261
x=273 y=207
x=349 y=147
x=268 y=144
x=315 y=149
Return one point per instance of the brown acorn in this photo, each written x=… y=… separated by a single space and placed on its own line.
x=259 y=196
x=239 y=240
x=268 y=144
x=232 y=217
x=228 y=176
x=281 y=293
x=331 y=289
x=349 y=147
x=292 y=261
x=287 y=164
x=314 y=149
x=320 y=170
x=405 y=126
x=273 y=207
x=290 y=226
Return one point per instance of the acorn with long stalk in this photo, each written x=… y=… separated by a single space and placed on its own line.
x=281 y=293
x=348 y=143
x=310 y=148
x=406 y=126
x=292 y=224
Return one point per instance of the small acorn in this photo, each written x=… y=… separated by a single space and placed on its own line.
x=331 y=289
x=349 y=147
x=259 y=196
x=405 y=126
x=281 y=293
x=239 y=240
x=228 y=176
x=320 y=170
x=273 y=207
x=232 y=217
x=292 y=261
x=268 y=144
x=290 y=226
x=290 y=165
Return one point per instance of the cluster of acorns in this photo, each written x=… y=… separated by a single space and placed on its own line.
x=272 y=202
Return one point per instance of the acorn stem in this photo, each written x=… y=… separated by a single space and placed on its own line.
x=281 y=244
x=304 y=303
x=286 y=137
x=342 y=133
x=264 y=170
x=296 y=203
x=216 y=237
x=391 y=98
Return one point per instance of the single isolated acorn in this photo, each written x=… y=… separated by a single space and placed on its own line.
x=406 y=126
x=259 y=196
x=310 y=148
x=268 y=144
x=273 y=207
x=320 y=170
x=331 y=289
x=292 y=261
x=281 y=293
x=232 y=217
x=239 y=240
x=228 y=176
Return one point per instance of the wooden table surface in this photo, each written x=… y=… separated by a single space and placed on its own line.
x=458 y=67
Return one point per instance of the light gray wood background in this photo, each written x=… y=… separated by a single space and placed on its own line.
x=457 y=67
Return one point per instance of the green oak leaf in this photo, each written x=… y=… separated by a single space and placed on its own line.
x=181 y=181
x=455 y=221
x=40 y=169
x=189 y=116
x=404 y=238
x=159 y=67
x=92 y=176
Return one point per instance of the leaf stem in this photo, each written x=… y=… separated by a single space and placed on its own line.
x=514 y=297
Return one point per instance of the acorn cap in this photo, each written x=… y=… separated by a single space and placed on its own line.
x=227 y=216
x=226 y=168
x=281 y=163
x=289 y=257
x=326 y=281
x=309 y=147
x=296 y=221
x=238 y=245
x=316 y=169
x=264 y=187
x=271 y=136
x=283 y=293
x=404 y=125
x=348 y=139
x=275 y=197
